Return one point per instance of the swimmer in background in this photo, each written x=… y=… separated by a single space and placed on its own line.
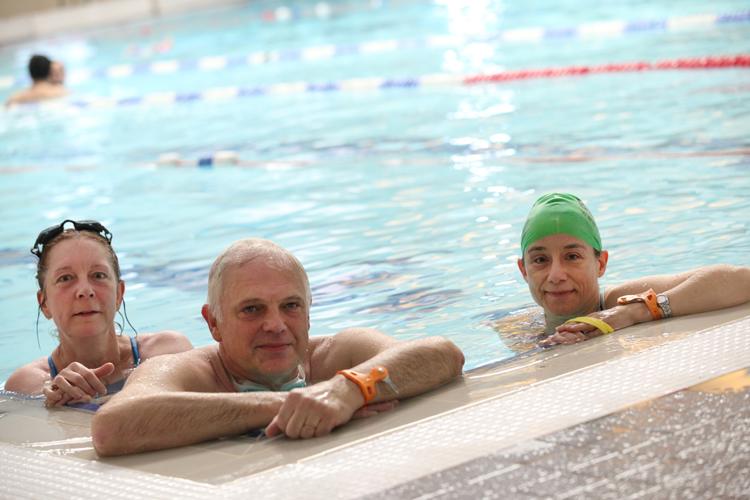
x=47 y=82
x=223 y=158
x=563 y=259
x=80 y=290
x=264 y=371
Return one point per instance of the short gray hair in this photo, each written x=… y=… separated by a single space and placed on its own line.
x=243 y=251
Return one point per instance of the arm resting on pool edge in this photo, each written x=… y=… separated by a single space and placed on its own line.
x=703 y=289
x=707 y=288
x=175 y=401
x=172 y=401
x=414 y=367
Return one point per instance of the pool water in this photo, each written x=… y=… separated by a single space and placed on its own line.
x=404 y=204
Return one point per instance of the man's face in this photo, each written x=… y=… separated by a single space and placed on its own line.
x=563 y=274
x=263 y=331
x=57 y=73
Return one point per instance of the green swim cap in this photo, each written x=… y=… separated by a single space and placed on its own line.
x=557 y=213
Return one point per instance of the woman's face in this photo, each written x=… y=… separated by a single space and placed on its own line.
x=81 y=291
x=563 y=272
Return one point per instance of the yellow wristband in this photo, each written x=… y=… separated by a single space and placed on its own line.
x=603 y=326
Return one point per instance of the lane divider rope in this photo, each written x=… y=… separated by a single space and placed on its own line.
x=370 y=84
x=320 y=10
x=604 y=29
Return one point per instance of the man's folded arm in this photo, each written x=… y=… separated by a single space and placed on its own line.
x=414 y=366
x=172 y=401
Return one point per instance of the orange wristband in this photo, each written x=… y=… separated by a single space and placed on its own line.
x=366 y=383
x=648 y=297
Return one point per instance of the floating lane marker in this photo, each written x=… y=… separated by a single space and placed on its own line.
x=609 y=29
x=120 y=71
x=221 y=94
x=434 y=80
x=288 y=88
x=691 y=22
x=161 y=98
x=317 y=53
x=212 y=63
x=164 y=67
x=359 y=84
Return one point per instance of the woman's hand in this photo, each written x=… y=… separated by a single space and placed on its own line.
x=76 y=384
x=617 y=317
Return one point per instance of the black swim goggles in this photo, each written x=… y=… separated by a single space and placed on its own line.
x=53 y=232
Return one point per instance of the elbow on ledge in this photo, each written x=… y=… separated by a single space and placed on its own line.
x=455 y=357
x=105 y=435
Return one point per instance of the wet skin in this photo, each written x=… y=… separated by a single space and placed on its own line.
x=81 y=292
x=562 y=273
x=263 y=330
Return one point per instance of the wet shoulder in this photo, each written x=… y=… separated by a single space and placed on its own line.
x=317 y=358
x=29 y=378
x=197 y=370
x=209 y=365
x=166 y=342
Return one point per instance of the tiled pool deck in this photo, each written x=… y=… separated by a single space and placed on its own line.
x=690 y=444
x=609 y=418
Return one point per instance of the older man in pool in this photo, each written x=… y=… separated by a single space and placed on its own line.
x=264 y=371
x=563 y=259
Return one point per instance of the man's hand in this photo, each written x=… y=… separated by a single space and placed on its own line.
x=617 y=317
x=375 y=408
x=316 y=410
x=77 y=384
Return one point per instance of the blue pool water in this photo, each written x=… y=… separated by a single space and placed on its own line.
x=404 y=204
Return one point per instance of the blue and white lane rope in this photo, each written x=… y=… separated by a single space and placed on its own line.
x=370 y=84
x=604 y=29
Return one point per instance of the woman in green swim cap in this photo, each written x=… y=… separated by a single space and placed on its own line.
x=563 y=259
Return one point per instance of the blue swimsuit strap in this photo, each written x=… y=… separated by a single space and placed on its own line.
x=133 y=346
x=136 y=353
x=52 y=367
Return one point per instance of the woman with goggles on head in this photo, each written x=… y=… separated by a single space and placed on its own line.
x=80 y=290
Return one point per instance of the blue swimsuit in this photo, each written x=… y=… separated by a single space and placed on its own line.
x=112 y=387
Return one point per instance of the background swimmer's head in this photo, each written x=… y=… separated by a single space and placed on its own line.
x=557 y=213
x=39 y=67
x=243 y=251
